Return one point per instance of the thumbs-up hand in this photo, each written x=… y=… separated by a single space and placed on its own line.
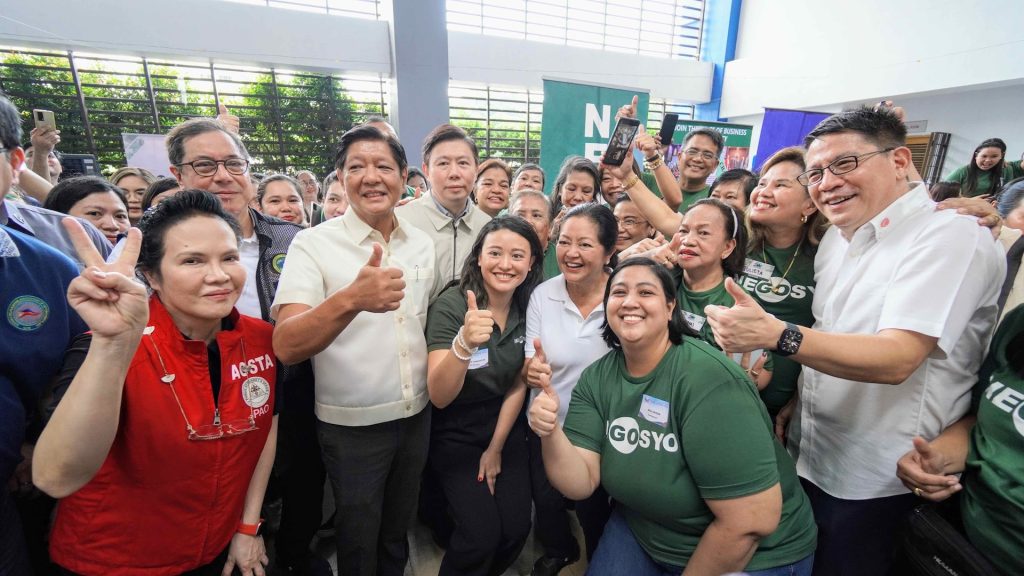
x=478 y=324
x=628 y=110
x=538 y=371
x=668 y=255
x=745 y=326
x=648 y=144
x=922 y=471
x=230 y=121
x=377 y=289
x=544 y=411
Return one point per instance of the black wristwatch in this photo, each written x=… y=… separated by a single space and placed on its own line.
x=789 y=342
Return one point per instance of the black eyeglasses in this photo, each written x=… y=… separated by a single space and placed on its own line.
x=236 y=166
x=839 y=166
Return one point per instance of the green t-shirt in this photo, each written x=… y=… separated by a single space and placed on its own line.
x=692 y=429
x=690 y=197
x=1011 y=170
x=651 y=182
x=551 y=262
x=495 y=366
x=790 y=300
x=993 y=502
x=692 y=305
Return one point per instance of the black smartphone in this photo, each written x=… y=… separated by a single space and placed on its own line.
x=668 y=128
x=622 y=137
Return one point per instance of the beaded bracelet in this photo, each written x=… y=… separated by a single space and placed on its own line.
x=455 y=351
x=462 y=342
x=653 y=164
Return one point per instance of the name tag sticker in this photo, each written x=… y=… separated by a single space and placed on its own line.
x=654 y=410
x=694 y=321
x=479 y=359
x=758 y=269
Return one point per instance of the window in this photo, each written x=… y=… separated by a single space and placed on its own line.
x=289 y=120
x=647 y=27
x=355 y=8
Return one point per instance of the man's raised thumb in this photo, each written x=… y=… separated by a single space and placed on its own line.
x=375 y=256
x=738 y=294
x=222 y=109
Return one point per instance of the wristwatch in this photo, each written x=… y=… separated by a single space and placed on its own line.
x=789 y=341
x=251 y=529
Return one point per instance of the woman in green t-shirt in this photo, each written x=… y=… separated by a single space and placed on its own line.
x=779 y=269
x=678 y=437
x=986 y=446
x=475 y=336
x=987 y=171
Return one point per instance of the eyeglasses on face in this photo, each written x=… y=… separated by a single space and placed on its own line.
x=236 y=166
x=839 y=166
x=630 y=222
x=694 y=152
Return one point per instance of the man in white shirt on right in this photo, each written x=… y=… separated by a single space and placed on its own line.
x=904 y=307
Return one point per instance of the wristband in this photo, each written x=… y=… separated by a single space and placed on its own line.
x=652 y=164
x=250 y=529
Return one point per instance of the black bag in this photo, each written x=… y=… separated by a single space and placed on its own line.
x=933 y=547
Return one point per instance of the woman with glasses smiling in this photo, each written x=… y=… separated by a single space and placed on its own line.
x=164 y=436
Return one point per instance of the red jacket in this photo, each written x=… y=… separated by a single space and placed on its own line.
x=161 y=503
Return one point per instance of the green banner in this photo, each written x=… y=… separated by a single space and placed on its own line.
x=736 y=153
x=578 y=120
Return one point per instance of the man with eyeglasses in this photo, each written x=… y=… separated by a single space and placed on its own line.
x=698 y=158
x=904 y=306
x=206 y=154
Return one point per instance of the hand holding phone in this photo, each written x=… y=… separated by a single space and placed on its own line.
x=44 y=118
x=622 y=137
x=668 y=128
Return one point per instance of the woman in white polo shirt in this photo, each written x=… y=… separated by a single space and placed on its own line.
x=565 y=316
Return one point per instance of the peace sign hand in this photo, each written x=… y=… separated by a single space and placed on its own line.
x=106 y=296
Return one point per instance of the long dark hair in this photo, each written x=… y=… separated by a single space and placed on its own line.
x=473 y=278
x=973 y=171
x=677 y=327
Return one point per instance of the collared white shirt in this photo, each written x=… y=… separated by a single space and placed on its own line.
x=452 y=242
x=570 y=341
x=376 y=369
x=911 y=268
x=249 y=301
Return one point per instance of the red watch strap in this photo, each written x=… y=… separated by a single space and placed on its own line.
x=250 y=529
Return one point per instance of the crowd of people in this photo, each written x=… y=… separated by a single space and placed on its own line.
x=749 y=373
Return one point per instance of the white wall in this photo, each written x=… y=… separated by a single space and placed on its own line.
x=808 y=53
x=201 y=29
x=491 y=60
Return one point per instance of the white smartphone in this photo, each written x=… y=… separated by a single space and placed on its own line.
x=44 y=118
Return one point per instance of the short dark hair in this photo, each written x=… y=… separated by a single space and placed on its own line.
x=184 y=205
x=363 y=132
x=881 y=126
x=71 y=191
x=604 y=220
x=748 y=178
x=414 y=171
x=193 y=127
x=157 y=188
x=574 y=164
x=944 y=191
x=735 y=229
x=677 y=327
x=445 y=133
x=472 y=277
x=714 y=135
x=10 y=124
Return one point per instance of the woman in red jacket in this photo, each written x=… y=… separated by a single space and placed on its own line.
x=161 y=446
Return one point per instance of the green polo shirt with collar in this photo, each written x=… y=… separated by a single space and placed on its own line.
x=494 y=368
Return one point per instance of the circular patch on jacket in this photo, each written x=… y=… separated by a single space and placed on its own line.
x=277 y=263
x=255 y=392
x=27 y=313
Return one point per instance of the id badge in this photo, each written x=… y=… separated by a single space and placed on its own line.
x=479 y=359
x=694 y=321
x=758 y=269
x=654 y=410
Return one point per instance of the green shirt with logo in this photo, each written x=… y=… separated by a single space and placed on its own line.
x=1011 y=169
x=690 y=197
x=993 y=498
x=692 y=305
x=495 y=366
x=692 y=430
x=788 y=296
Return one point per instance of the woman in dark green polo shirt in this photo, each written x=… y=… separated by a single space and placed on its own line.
x=677 y=435
x=475 y=336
